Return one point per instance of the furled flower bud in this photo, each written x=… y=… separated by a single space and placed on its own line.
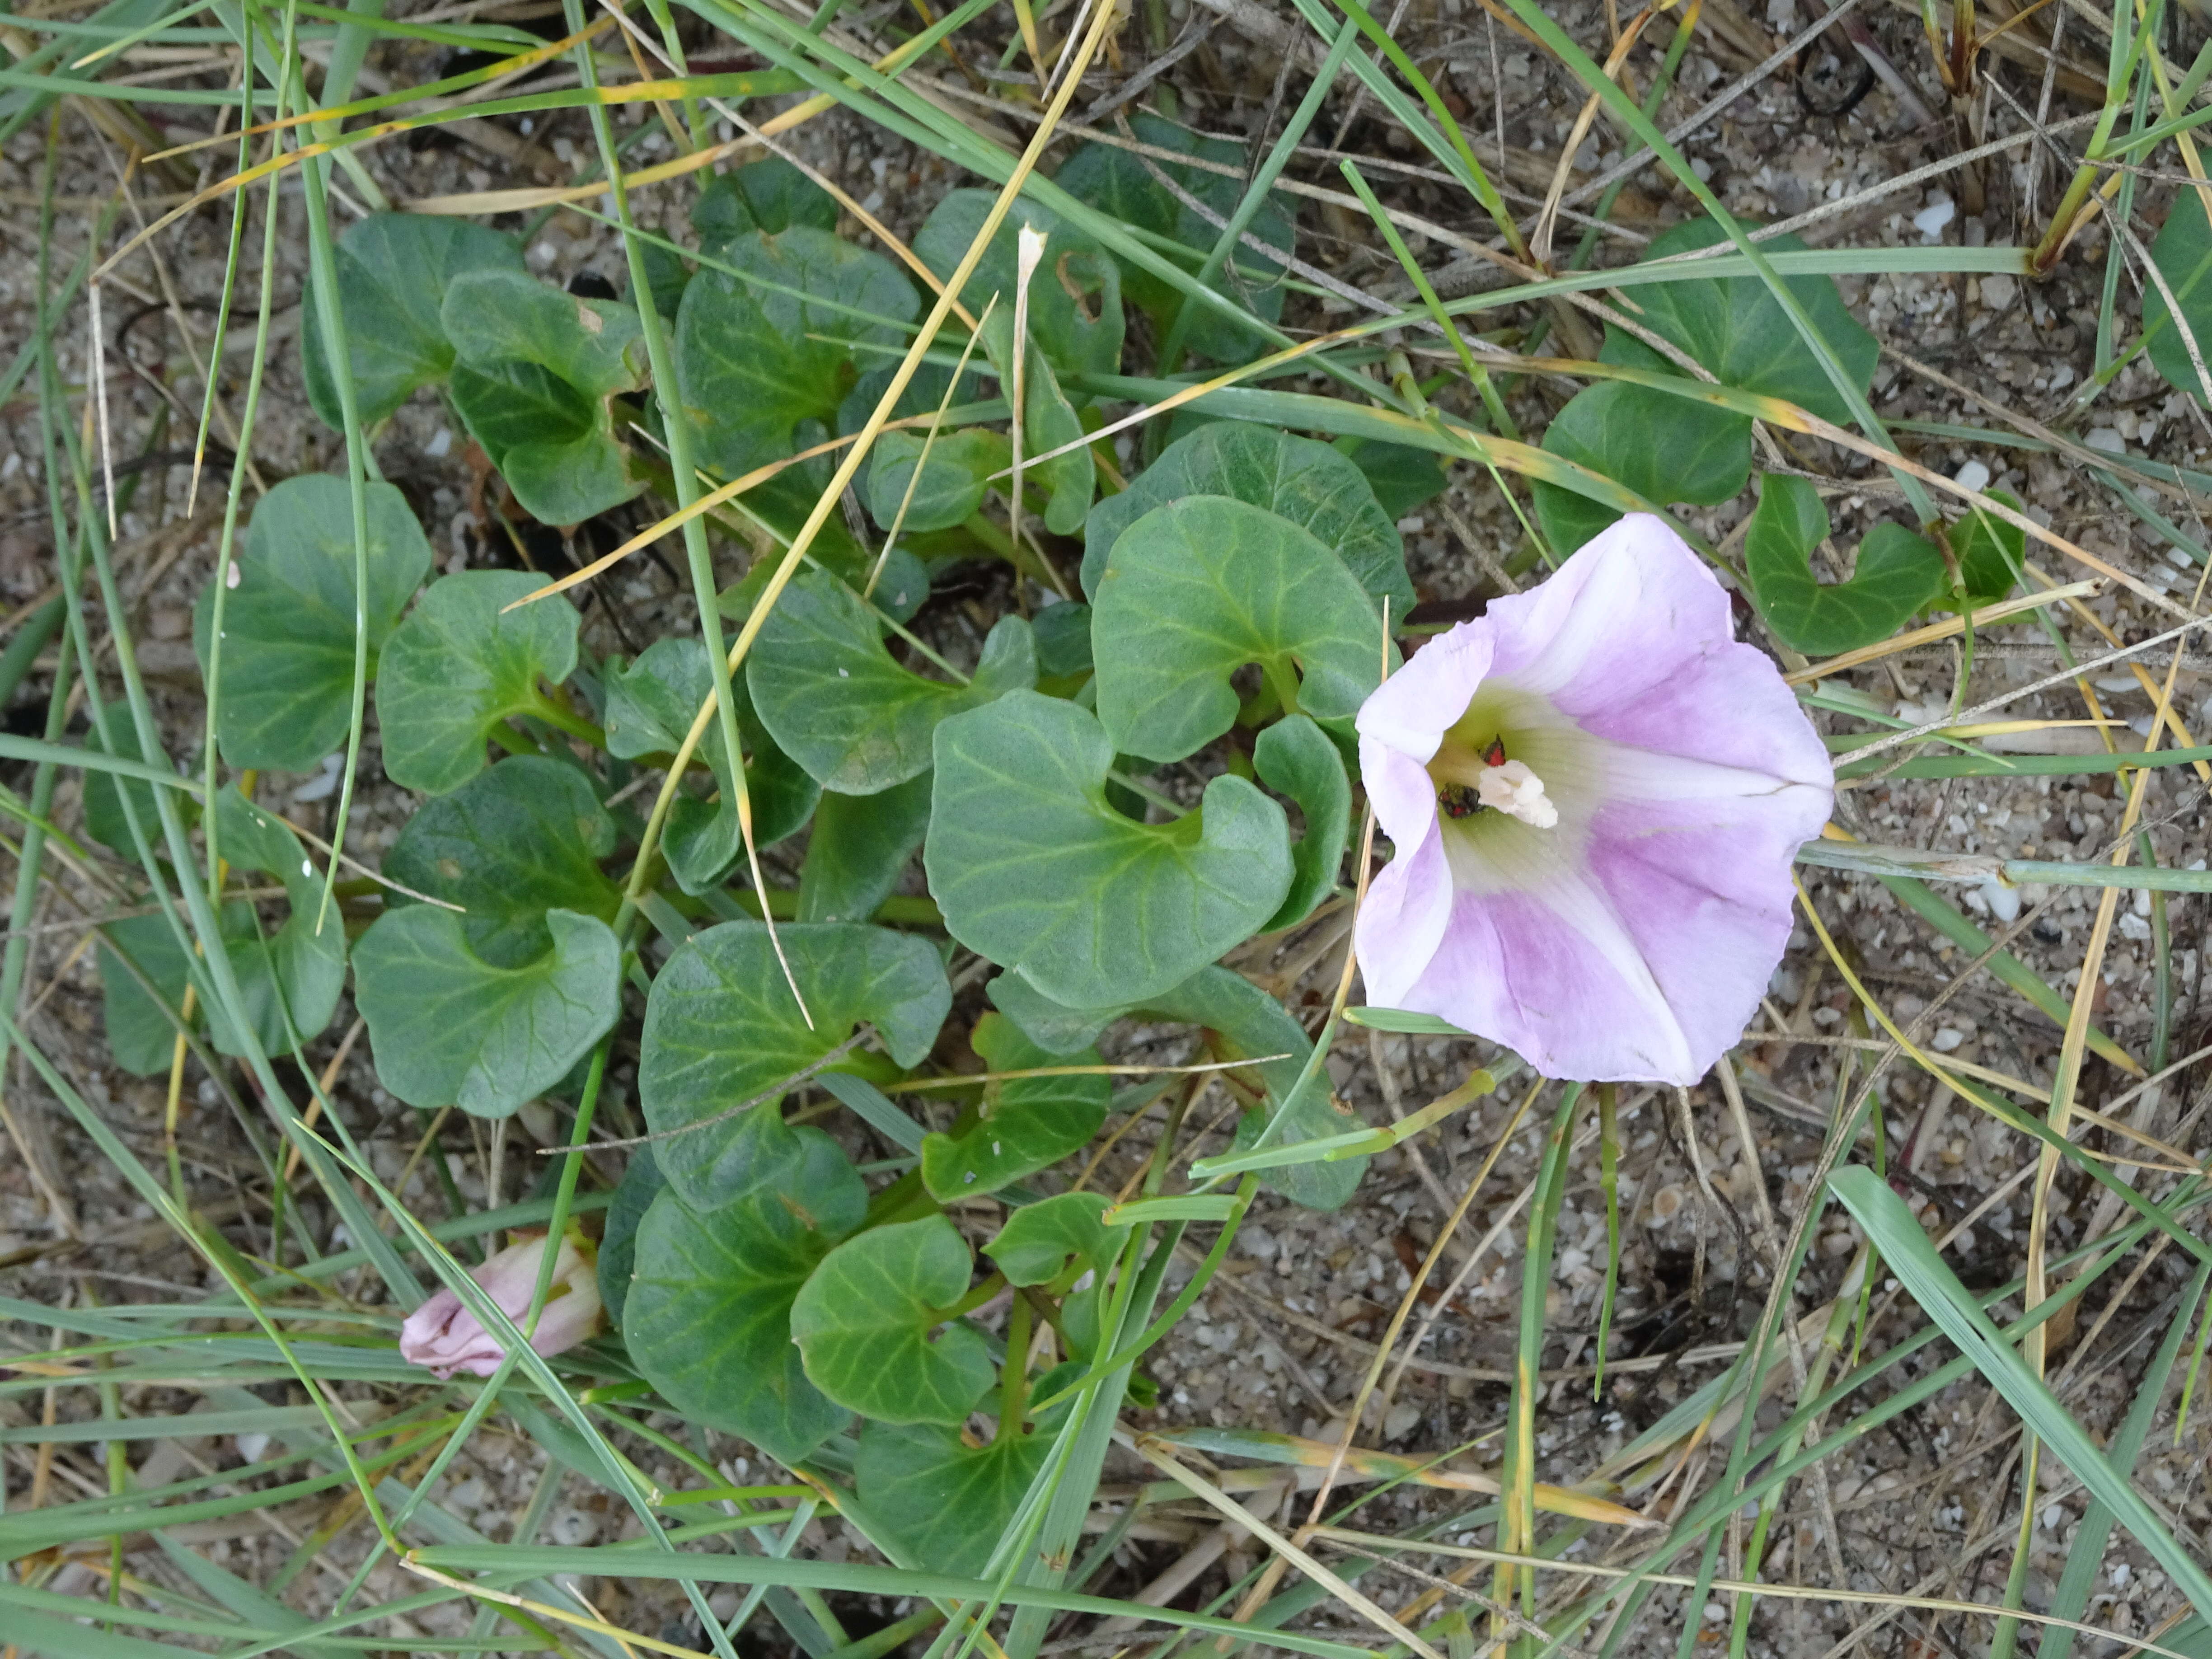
x=444 y=1336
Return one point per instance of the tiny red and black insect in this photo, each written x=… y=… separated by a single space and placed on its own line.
x=1458 y=801
x=1495 y=755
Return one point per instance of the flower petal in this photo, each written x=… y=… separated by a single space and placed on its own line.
x=1399 y=928
x=1413 y=709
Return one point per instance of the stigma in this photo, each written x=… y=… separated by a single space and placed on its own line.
x=1513 y=789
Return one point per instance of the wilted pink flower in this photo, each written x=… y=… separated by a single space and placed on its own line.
x=1595 y=794
x=445 y=1336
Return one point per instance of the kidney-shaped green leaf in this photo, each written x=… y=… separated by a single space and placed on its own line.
x=840 y=707
x=459 y=665
x=1035 y=869
x=721 y=1028
x=863 y=1323
x=650 y=706
x=1295 y=758
x=393 y=270
x=1196 y=589
x=1315 y=486
x=758 y=353
x=1896 y=574
x=860 y=849
x=769 y=195
x=287 y=622
x=954 y=479
x=535 y=369
x=1075 y=294
x=450 y=1028
x=1041 y=1241
x=2182 y=254
x=1665 y=448
x=945 y=1501
x=707 y=1313
x=508 y=845
x=291 y=980
x=1023 y=1124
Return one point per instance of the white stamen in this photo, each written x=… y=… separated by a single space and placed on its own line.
x=1514 y=788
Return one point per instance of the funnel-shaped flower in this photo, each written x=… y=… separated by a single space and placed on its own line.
x=444 y=1336
x=1595 y=794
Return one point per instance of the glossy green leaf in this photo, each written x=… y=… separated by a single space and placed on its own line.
x=860 y=849
x=1075 y=294
x=641 y=1184
x=1896 y=574
x=761 y=353
x=650 y=706
x=721 y=1028
x=1403 y=478
x=459 y=665
x=1062 y=633
x=2182 y=254
x=864 y=1323
x=954 y=479
x=1991 y=552
x=1195 y=589
x=1034 y=870
x=1039 y=1241
x=943 y=1502
x=104 y=792
x=1063 y=485
x=508 y=845
x=293 y=978
x=1665 y=448
x=1735 y=328
x=1241 y=1022
x=448 y=1028
x=769 y=195
x=1023 y=1124
x=1311 y=484
x=832 y=699
x=393 y=271
x=287 y=647
x=288 y=979
x=707 y=1316
x=1121 y=182
x=1295 y=758
x=534 y=370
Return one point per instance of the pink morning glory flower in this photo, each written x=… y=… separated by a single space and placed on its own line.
x=1595 y=793
x=445 y=1337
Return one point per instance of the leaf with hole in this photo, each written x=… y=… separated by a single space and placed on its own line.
x=763 y=353
x=1041 y=1242
x=864 y=1322
x=1295 y=758
x=1123 y=183
x=942 y=1501
x=460 y=665
x=721 y=1028
x=769 y=195
x=840 y=707
x=288 y=624
x=860 y=849
x=1034 y=870
x=1896 y=575
x=1075 y=293
x=534 y=371
x=1309 y=483
x=1196 y=589
x=1664 y=448
x=1022 y=1125
x=508 y=845
x=955 y=477
x=707 y=1316
x=393 y=270
x=448 y=1028
x=651 y=704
